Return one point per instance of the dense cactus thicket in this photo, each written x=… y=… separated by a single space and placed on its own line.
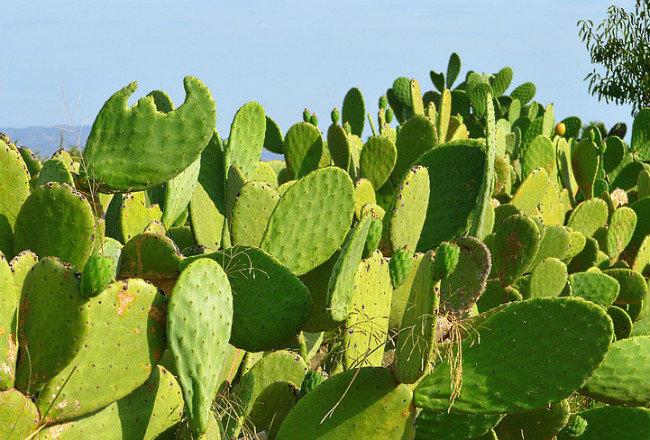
x=470 y=269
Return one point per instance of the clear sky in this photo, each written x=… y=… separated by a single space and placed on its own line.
x=286 y=54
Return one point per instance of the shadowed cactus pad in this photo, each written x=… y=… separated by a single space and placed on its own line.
x=580 y=339
x=14 y=189
x=9 y=299
x=199 y=319
x=616 y=423
x=139 y=147
x=435 y=425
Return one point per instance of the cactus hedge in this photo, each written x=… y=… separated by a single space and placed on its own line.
x=461 y=266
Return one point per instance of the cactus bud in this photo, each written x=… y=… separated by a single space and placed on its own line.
x=383 y=102
x=389 y=115
x=335 y=116
x=574 y=428
x=445 y=260
x=347 y=128
x=306 y=115
x=400 y=265
x=314 y=120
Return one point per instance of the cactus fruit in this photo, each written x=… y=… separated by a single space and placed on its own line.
x=540 y=380
x=199 y=318
x=400 y=265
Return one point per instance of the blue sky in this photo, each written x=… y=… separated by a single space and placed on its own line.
x=288 y=55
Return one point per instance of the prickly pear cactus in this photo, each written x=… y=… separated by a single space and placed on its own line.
x=19 y=417
x=97 y=274
x=247 y=134
x=199 y=319
x=136 y=148
x=9 y=298
x=14 y=189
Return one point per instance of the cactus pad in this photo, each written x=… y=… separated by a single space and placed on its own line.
x=377 y=160
x=416 y=137
x=595 y=287
x=303 y=148
x=541 y=424
x=14 y=189
x=9 y=299
x=251 y=212
x=19 y=417
x=434 y=425
x=588 y=216
x=97 y=274
x=515 y=244
x=616 y=423
x=247 y=134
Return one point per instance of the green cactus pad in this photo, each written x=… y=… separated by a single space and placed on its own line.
x=577 y=344
x=616 y=423
x=339 y=146
x=364 y=194
x=640 y=143
x=515 y=244
x=531 y=192
x=49 y=216
x=366 y=327
x=9 y=300
x=417 y=334
x=622 y=378
x=14 y=189
x=400 y=266
x=620 y=230
x=614 y=153
x=19 y=417
x=250 y=390
x=354 y=111
x=496 y=294
x=53 y=323
x=541 y=424
x=415 y=137
x=54 y=171
x=30 y=159
x=377 y=160
x=152 y=257
x=556 y=242
x=460 y=291
x=501 y=81
x=311 y=220
x=547 y=278
x=206 y=219
x=247 y=134
x=595 y=287
x=129 y=215
x=368 y=405
x=585 y=162
x=586 y=258
x=151 y=409
x=588 y=216
x=406 y=215
x=199 y=318
x=633 y=286
x=622 y=322
x=97 y=274
x=251 y=212
x=265 y=173
x=139 y=147
x=107 y=369
x=20 y=265
x=273 y=139
x=270 y=303
x=456 y=173
x=303 y=148
x=524 y=93
x=178 y=193
x=540 y=153
x=434 y=425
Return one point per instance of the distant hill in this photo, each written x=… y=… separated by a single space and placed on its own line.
x=44 y=141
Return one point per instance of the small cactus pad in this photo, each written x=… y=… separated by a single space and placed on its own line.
x=303 y=148
x=178 y=193
x=311 y=220
x=463 y=287
x=251 y=212
x=531 y=192
x=577 y=344
x=417 y=333
x=107 y=369
x=14 y=189
x=129 y=215
x=415 y=137
x=377 y=160
x=441 y=425
x=634 y=288
x=547 y=278
x=247 y=134
x=404 y=219
x=588 y=216
x=151 y=409
x=199 y=318
x=53 y=323
x=367 y=326
x=595 y=287
x=9 y=298
x=363 y=403
x=353 y=110
x=640 y=142
x=400 y=266
x=340 y=287
x=273 y=139
x=97 y=274
x=18 y=415
x=270 y=303
x=622 y=379
x=456 y=173
x=139 y=147
x=616 y=423
x=541 y=424
x=49 y=217
x=446 y=260
x=515 y=244
x=339 y=146
x=585 y=162
x=620 y=230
